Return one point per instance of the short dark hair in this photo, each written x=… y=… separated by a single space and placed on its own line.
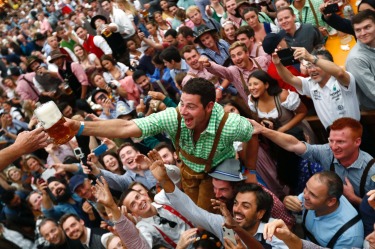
x=249 y=9
x=45 y=220
x=188 y=49
x=363 y=15
x=124 y=195
x=126 y=144
x=171 y=32
x=202 y=87
x=247 y=30
x=67 y=216
x=170 y=54
x=156 y=59
x=264 y=200
x=285 y=8
x=163 y=145
x=273 y=87
x=333 y=183
x=79 y=27
x=325 y=53
x=138 y=74
x=185 y=31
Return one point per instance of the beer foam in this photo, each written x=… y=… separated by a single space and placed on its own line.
x=48 y=114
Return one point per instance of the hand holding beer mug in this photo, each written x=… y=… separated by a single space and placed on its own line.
x=53 y=121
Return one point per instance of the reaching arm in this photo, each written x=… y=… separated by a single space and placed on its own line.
x=106 y=128
x=280 y=230
x=328 y=66
x=285 y=141
x=285 y=74
x=26 y=142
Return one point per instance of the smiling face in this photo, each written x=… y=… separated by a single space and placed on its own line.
x=33 y=164
x=343 y=144
x=231 y=6
x=316 y=195
x=281 y=4
x=223 y=190
x=84 y=190
x=257 y=87
x=192 y=58
x=81 y=33
x=57 y=188
x=316 y=73
x=151 y=29
x=35 y=200
x=111 y=163
x=365 y=32
x=138 y=204
x=164 y=5
x=127 y=156
x=78 y=51
x=167 y=156
x=195 y=116
x=107 y=7
x=239 y=57
x=245 y=210
x=107 y=65
x=73 y=228
x=15 y=175
x=286 y=20
x=143 y=82
x=52 y=233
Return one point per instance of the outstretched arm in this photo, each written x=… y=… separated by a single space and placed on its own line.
x=114 y=128
x=285 y=141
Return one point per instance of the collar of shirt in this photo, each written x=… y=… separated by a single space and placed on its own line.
x=217 y=111
x=366 y=46
x=88 y=230
x=358 y=164
x=327 y=86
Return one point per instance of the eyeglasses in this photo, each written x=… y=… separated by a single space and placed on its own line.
x=310 y=65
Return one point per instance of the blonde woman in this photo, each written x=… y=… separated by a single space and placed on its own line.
x=129 y=10
x=90 y=62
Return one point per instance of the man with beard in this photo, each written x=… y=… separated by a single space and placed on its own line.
x=54 y=234
x=251 y=209
x=227 y=177
x=58 y=200
x=75 y=229
x=167 y=153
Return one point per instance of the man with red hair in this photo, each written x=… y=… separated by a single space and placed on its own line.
x=341 y=154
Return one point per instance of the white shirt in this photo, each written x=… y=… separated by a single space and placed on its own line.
x=334 y=100
x=123 y=22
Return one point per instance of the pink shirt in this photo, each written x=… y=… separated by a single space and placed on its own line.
x=131 y=89
x=233 y=73
x=25 y=87
x=198 y=74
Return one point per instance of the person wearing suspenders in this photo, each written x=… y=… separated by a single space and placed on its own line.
x=203 y=136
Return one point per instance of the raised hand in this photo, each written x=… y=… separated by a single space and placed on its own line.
x=276 y=228
x=102 y=193
x=159 y=171
x=229 y=221
x=154 y=156
x=143 y=162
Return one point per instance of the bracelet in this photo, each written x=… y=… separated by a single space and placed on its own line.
x=316 y=58
x=81 y=129
x=140 y=115
x=220 y=88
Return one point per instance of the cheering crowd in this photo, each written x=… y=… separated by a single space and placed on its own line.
x=190 y=123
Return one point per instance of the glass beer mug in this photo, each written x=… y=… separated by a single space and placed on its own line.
x=52 y=120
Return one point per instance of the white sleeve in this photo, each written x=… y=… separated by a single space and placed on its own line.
x=292 y=102
x=102 y=44
x=305 y=86
x=198 y=216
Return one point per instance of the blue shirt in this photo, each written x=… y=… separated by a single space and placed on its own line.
x=218 y=58
x=122 y=182
x=325 y=227
x=323 y=155
x=184 y=69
